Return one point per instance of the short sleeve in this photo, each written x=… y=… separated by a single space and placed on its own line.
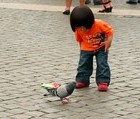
x=107 y=29
x=78 y=37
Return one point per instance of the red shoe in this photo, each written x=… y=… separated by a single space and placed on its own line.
x=103 y=87
x=81 y=85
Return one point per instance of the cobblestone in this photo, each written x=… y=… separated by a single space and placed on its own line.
x=39 y=47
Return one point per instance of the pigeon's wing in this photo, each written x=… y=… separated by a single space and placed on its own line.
x=62 y=92
x=66 y=90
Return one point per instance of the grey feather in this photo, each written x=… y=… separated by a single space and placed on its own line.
x=65 y=90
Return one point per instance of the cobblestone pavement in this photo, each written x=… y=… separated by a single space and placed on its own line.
x=39 y=47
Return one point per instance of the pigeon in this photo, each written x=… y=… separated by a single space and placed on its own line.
x=61 y=91
x=65 y=90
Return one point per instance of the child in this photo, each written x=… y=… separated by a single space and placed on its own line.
x=95 y=37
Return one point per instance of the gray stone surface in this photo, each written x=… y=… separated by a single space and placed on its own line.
x=120 y=4
x=39 y=47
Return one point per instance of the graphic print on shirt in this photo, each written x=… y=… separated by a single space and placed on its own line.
x=96 y=40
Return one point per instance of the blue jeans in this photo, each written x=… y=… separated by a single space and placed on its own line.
x=85 y=67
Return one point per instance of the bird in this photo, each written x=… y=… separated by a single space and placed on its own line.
x=65 y=90
x=61 y=91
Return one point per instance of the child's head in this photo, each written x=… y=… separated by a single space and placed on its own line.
x=81 y=16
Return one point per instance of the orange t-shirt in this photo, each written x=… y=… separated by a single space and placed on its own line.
x=94 y=38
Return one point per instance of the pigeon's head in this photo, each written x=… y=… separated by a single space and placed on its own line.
x=70 y=87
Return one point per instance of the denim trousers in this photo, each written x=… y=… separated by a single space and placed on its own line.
x=85 y=67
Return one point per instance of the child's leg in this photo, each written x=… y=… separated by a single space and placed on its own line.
x=85 y=68
x=103 y=71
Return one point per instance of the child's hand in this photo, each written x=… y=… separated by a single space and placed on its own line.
x=108 y=44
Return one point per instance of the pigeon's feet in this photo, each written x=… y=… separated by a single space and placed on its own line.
x=65 y=100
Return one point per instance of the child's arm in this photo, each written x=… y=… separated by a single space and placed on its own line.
x=108 y=43
x=108 y=30
x=78 y=37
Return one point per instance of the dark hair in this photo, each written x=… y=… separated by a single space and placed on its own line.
x=81 y=16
